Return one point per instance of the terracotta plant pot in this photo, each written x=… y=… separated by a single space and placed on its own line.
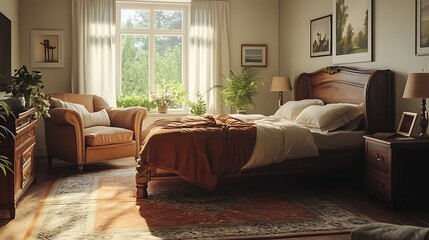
x=162 y=109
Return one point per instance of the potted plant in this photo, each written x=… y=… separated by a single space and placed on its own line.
x=4 y=162
x=199 y=107
x=30 y=85
x=241 y=88
x=162 y=99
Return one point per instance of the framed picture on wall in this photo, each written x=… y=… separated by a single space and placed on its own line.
x=47 y=49
x=353 y=31
x=321 y=36
x=422 y=27
x=253 y=55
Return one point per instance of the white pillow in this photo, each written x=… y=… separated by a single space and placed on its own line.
x=58 y=103
x=330 y=116
x=291 y=109
x=79 y=108
x=100 y=118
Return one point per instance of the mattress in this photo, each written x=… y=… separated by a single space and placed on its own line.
x=338 y=139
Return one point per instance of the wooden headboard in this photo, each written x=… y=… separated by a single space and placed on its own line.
x=338 y=84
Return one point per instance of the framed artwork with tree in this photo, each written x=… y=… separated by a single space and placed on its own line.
x=321 y=36
x=352 y=35
x=422 y=27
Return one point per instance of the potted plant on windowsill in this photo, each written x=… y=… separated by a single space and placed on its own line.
x=29 y=86
x=241 y=88
x=162 y=99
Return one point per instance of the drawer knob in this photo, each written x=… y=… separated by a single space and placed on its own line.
x=378 y=157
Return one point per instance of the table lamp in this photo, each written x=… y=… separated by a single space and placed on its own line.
x=417 y=86
x=280 y=84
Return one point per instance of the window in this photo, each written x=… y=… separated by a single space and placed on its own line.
x=152 y=48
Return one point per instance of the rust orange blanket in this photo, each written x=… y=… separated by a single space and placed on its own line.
x=199 y=148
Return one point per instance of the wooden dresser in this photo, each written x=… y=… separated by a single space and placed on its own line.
x=396 y=170
x=20 y=149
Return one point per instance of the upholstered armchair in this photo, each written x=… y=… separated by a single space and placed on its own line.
x=73 y=134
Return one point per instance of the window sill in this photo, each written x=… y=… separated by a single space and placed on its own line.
x=169 y=113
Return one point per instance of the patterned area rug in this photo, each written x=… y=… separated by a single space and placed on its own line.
x=101 y=205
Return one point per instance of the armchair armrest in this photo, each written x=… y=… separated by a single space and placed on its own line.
x=68 y=124
x=130 y=118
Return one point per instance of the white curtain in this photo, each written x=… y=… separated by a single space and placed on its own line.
x=93 y=48
x=209 y=51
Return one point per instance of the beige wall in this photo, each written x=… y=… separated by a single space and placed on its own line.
x=393 y=24
x=46 y=15
x=10 y=9
x=257 y=22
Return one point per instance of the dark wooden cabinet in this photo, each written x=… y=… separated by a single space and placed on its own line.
x=396 y=170
x=20 y=148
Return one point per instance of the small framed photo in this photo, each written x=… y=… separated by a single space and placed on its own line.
x=422 y=30
x=406 y=123
x=253 y=55
x=47 y=49
x=321 y=36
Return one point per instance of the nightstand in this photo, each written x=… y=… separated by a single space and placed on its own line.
x=396 y=170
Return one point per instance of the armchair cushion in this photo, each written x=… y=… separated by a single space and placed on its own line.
x=100 y=118
x=102 y=135
x=58 y=103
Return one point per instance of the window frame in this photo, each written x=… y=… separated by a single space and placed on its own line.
x=153 y=33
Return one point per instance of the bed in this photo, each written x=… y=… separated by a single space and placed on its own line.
x=229 y=142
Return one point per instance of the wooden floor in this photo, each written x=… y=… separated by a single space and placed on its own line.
x=346 y=190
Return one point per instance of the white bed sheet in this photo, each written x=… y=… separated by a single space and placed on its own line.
x=279 y=139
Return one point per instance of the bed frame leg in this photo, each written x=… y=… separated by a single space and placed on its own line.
x=142 y=179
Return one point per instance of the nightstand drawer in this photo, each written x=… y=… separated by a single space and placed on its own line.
x=379 y=158
x=378 y=185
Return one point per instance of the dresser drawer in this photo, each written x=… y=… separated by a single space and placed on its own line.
x=27 y=161
x=379 y=158
x=24 y=121
x=26 y=136
x=378 y=185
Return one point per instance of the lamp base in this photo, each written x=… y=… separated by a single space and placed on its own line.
x=423 y=120
x=280 y=98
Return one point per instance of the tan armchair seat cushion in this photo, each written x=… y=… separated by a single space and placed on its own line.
x=103 y=135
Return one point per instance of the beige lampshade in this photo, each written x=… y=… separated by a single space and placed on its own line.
x=280 y=84
x=417 y=85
